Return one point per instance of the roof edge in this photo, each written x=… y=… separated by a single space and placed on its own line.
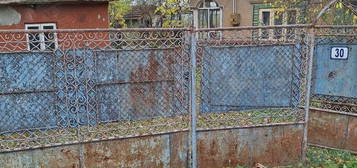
x=28 y=2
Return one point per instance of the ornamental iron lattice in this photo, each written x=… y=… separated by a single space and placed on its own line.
x=92 y=85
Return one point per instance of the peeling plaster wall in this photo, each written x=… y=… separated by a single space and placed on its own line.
x=9 y=16
x=66 y=16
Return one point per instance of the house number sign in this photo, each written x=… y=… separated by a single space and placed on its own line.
x=340 y=53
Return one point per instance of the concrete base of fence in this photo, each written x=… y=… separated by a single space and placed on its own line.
x=273 y=145
x=332 y=129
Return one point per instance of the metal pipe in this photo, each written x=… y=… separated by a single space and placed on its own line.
x=193 y=101
x=250 y=126
x=334 y=112
x=327 y=147
x=308 y=89
x=96 y=30
x=255 y=27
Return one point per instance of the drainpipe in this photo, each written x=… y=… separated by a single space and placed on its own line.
x=234 y=6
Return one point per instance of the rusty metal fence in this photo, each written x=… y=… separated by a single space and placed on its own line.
x=261 y=71
x=332 y=123
x=63 y=87
x=73 y=86
x=334 y=77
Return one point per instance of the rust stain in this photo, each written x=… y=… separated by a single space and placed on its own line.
x=66 y=156
x=281 y=147
x=351 y=142
x=327 y=129
x=220 y=149
x=148 y=95
x=136 y=152
x=271 y=146
x=332 y=75
x=179 y=150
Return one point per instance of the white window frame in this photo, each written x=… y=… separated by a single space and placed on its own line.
x=210 y=34
x=271 y=22
x=41 y=34
x=196 y=13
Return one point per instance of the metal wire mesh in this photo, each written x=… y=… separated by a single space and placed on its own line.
x=251 y=76
x=334 y=81
x=74 y=86
x=88 y=85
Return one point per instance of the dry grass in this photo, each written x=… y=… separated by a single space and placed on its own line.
x=39 y=138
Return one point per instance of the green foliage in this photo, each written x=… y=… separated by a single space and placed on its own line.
x=340 y=13
x=171 y=12
x=325 y=158
x=240 y=167
x=117 y=10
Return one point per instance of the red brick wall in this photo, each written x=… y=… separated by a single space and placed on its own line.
x=67 y=16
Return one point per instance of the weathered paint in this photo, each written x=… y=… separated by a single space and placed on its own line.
x=277 y=145
x=26 y=72
x=145 y=84
x=179 y=150
x=145 y=88
x=129 y=85
x=257 y=76
x=335 y=77
x=332 y=130
x=56 y=157
x=170 y=150
x=153 y=151
x=267 y=145
x=66 y=15
x=9 y=16
x=327 y=129
x=351 y=141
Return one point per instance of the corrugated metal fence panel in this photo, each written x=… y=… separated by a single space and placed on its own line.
x=254 y=77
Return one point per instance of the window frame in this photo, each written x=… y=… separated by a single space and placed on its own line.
x=272 y=11
x=209 y=10
x=41 y=35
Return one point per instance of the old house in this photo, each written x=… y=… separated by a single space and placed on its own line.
x=53 y=14
x=231 y=13
x=50 y=15
x=142 y=17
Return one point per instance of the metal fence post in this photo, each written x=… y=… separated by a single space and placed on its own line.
x=310 y=57
x=193 y=100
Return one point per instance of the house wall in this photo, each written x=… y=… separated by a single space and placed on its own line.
x=243 y=7
x=66 y=16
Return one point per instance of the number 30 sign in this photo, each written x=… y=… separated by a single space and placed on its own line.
x=339 y=53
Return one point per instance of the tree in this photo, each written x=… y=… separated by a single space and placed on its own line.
x=172 y=11
x=341 y=12
x=117 y=10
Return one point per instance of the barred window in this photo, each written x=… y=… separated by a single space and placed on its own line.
x=41 y=41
